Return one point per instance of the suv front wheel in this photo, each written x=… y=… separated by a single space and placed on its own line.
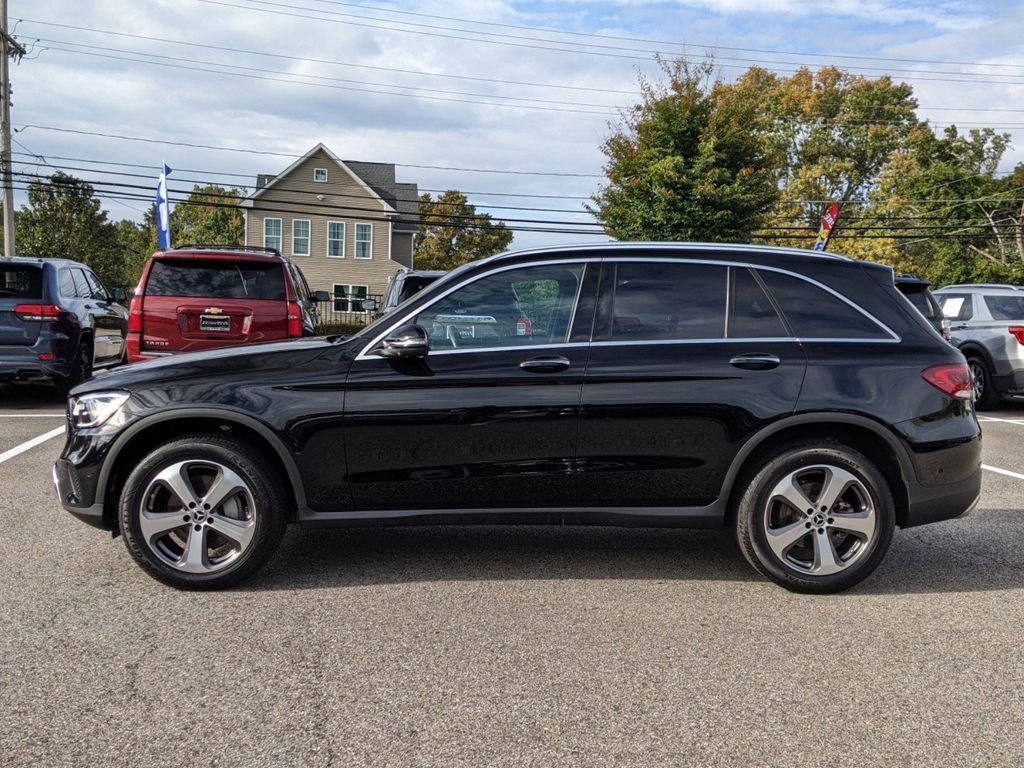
x=202 y=511
x=817 y=517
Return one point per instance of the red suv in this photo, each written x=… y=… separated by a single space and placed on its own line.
x=203 y=297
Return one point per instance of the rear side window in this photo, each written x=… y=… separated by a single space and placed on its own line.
x=751 y=314
x=1005 y=307
x=814 y=313
x=658 y=300
x=412 y=285
x=216 y=279
x=923 y=303
x=20 y=282
x=957 y=306
x=67 y=284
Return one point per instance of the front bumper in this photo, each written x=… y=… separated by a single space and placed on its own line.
x=64 y=480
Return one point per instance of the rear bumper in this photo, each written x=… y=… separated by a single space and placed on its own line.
x=26 y=366
x=931 y=504
x=1007 y=382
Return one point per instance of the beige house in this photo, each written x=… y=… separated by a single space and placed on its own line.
x=347 y=225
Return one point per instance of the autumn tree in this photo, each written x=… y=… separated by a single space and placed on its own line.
x=453 y=233
x=690 y=161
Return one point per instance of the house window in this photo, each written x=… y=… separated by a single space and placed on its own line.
x=319 y=174
x=336 y=239
x=272 y=234
x=348 y=298
x=300 y=237
x=364 y=241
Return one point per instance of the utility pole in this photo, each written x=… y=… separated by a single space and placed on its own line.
x=8 y=47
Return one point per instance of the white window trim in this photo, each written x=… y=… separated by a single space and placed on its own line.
x=309 y=237
x=348 y=295
x=356 y=241
x=344 y=234
x=279 y=236
x=316 y=171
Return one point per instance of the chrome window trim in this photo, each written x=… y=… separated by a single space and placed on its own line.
x=893 y=337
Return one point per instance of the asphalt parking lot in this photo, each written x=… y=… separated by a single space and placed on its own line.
x=506 y=647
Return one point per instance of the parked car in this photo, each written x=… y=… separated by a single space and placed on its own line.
x=204 y=297
x=656 y=384
x=916 y=290
x=987 y=325
x=57 y=322
x=403 y=285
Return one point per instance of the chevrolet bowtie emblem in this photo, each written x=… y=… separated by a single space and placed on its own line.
x=214 y=311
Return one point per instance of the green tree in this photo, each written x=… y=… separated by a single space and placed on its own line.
x=64 y=218
x=691 y=161
x=209 y=215
x=453 y=233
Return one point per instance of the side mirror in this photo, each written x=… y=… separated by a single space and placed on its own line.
x=321 y=296
x=120 y=295
x=409 y=341
x=369 y=305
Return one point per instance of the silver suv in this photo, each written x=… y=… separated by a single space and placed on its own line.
x=987 y=325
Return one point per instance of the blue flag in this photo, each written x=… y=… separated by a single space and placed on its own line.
x=163 y=212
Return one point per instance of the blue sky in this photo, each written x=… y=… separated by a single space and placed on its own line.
x=453 y=113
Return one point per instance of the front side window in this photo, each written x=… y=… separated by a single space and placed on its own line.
x=654 y=301
x=272 y=234
x=814 y=313
x=349 y=298
x=364 y=241
x=96 y=288
x=512 y=308
x=336 y=239
x=957 y=306
x=300 y=237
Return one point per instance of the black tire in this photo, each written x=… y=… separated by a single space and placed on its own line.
x=986 y=395
x=81 y=367
x=755 y=508
x=267 y=505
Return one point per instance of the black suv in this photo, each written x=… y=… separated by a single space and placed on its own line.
x=57 y=321
x=795 y=396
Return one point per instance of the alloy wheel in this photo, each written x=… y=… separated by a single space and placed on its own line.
x=977 y=377
x=820 y=519
x=198 y=516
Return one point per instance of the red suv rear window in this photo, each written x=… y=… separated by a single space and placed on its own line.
x=216 y=279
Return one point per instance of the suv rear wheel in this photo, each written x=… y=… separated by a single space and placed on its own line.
x=986 y=396
x=817 y=517
x=202 y=511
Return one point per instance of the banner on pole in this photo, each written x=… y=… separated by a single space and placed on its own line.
x=163 y=213
x=828 y=222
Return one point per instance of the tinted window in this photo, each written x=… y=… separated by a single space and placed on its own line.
x=95 y=286
x=21 y=282
x=413 y=284
x=82 y=289
x=656 y=300
x=67 y=284
x=1005 y=307
x=923 y=302
x=752 y=315
x=518 y=307
x=957 y=306
x=216 y=280
x=814 y=313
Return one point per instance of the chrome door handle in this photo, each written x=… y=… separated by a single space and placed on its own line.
x=546 y=364
x=756 y=361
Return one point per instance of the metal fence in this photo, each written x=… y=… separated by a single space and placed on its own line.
x=345 y=312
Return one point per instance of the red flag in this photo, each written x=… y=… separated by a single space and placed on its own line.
x=828 y=221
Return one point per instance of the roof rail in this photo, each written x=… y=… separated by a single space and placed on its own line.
x=985 y=285
x=225 y=247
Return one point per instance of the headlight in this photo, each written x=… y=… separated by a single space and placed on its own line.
x=92 y=410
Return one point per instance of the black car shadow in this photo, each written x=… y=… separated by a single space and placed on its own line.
x=977 y=553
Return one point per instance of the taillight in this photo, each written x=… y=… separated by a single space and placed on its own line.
x=1017 y=332
x=38 y=311
x=952 y=379
x=294 y=320
x=135 y=314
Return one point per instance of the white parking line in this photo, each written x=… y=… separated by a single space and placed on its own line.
x=1006 y=472
x=58 y=415
x=1018 y=422
x=28 y=445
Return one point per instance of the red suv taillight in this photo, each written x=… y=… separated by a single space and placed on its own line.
x=135 y=314
x=38 y=311
x=294 y=320
x=1018 y=333
x=952 y=379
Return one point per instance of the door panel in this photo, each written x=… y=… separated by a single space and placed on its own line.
x=689 y=360
x=488 y=418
